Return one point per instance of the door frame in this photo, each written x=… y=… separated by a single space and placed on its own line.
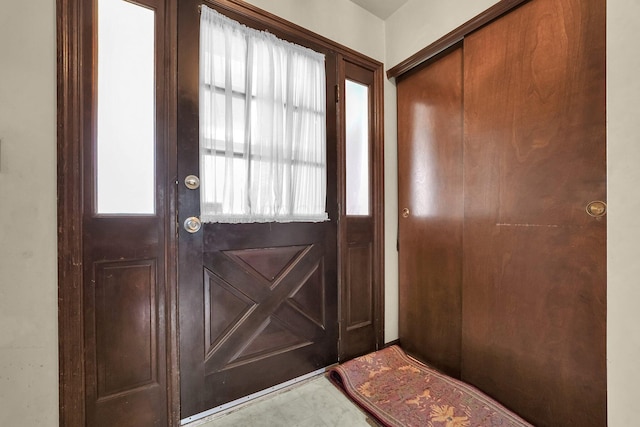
x=73 y=52
x=72 y=118
x=352 y=330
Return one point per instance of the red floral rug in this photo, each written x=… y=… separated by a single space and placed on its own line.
x=400 y=391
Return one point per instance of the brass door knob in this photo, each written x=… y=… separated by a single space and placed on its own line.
x=405 y=213
x=597 y=209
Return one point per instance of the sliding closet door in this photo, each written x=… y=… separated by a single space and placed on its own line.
x=534 y=259
x=431 y=211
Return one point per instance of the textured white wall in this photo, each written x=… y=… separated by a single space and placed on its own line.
x=623 y=237
x=28 y=272
x=338 y=20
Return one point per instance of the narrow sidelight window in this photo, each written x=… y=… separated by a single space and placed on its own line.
x=357 y=148
x=126 y=109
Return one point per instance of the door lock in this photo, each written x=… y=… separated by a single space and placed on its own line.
x=192 y=224
x=192 y=182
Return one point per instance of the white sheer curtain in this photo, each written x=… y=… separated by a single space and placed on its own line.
x=262 y=126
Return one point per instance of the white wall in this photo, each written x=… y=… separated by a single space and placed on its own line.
x=623 y=277
x=420 y=22
x=338 y=20
x=28 y=273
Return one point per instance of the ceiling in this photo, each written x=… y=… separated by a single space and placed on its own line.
x=381 y=8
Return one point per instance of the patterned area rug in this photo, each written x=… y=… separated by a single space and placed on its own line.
x=400 y=391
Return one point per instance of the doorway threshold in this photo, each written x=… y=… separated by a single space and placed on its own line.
x=227 y=406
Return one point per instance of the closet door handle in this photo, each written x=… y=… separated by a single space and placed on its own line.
x=597 y=209
x=405 y=213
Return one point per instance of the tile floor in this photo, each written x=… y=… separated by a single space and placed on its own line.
x=313 y=403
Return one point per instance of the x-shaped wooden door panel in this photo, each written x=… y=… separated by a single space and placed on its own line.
x=261 y=302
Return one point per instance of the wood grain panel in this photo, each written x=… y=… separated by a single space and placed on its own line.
x=430 y=187
x=361 y=328
x=125 y=325
x=310 y=296
x=224 y=308
x=359 y=290
x=125 y=343
x=104 y=303
x=535 y=321
x=261 y=304
x=360 y=298
x=534 y=307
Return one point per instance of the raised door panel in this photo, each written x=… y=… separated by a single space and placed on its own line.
x=358 y=309
x=257 y=310
x=534 y=291
x=125 y=325
x=360 y=296
x=125 y=344
x=431 y=211
x=256 y=316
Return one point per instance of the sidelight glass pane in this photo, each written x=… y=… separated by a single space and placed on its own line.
x=126 y=109
x=357 y=148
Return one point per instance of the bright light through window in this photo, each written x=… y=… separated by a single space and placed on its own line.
x=357 y=148
x=126 y=108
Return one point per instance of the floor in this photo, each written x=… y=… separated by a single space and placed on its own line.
x=313 y=403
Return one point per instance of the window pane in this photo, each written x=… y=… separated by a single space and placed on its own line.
x=357 y=148
x=262 y=126
x=126 y=109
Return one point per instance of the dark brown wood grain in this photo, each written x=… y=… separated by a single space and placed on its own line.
x=114 y=393
x=111 y=372
x=69 y=137
x=358 y=297
x=455 y=36
x=534 y=290
x=430 y=187
x=533 y=262
x=361 y=237
x=169 y=204
x=200 y=377
x=271 y=334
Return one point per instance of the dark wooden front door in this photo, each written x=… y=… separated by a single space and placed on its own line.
x=257 y=302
